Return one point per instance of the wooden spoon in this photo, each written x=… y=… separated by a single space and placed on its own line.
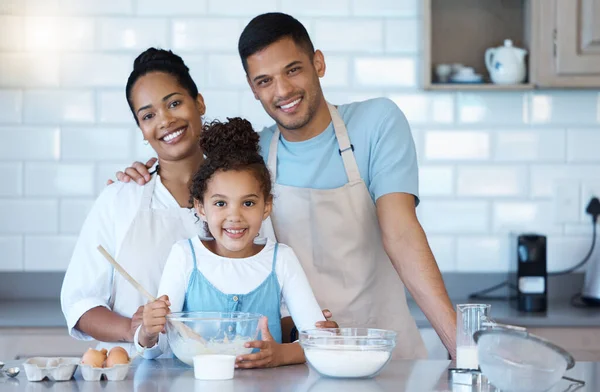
x=183 y=329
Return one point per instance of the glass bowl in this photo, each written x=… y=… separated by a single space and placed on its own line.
x=348 y=352
x=204 y=333
x=519 y=361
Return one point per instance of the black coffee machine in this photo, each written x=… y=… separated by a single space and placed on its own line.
x=531 y=277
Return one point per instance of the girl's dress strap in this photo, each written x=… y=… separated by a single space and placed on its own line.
x=193 y=252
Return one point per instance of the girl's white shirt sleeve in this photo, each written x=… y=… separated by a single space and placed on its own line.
x=296 y=291
x=88 y=279
x=173 y=283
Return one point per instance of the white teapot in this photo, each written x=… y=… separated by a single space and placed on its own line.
x=506 y=64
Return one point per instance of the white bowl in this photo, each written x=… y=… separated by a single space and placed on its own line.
x=348 y=352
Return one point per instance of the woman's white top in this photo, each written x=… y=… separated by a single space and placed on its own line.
x=89 y=277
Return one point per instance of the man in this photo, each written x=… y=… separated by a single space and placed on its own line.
x=346 y=190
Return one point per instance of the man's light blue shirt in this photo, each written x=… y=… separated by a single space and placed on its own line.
x=383 y=147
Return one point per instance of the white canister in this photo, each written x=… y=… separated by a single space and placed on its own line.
x=214 y=367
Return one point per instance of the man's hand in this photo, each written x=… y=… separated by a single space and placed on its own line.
x=327 y=323
x=154 y=321
x=136 y=321
x=271 y=353
x=137 y=172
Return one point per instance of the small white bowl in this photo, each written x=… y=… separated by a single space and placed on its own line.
x=214 y=367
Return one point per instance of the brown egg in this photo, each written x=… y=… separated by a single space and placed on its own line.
x=117 y=356
x=94 y=358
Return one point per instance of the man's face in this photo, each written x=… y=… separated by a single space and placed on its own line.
x=285 y=79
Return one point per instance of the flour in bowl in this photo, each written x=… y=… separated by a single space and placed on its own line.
x=187 y=349
x=346 y=363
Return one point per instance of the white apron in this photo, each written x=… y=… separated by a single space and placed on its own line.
x=144 y=252
x=336 y=235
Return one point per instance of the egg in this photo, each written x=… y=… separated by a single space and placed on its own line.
x=117 y=356
x=94 y=358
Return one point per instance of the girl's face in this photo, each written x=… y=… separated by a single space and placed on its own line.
x=168 y=116
x=234 y=207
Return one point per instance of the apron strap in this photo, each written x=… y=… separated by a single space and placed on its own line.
x=146 y=201
x=346 y=148
x=272 y=159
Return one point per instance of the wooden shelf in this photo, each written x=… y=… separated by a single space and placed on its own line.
x=478 y=87
x=460 y=32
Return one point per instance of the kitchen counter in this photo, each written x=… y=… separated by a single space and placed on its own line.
x=44 y=313
x=560 y=313
x=172 y=375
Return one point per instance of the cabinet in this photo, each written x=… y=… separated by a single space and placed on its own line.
x=19 y=343
x=569 y=43
x=562 y=38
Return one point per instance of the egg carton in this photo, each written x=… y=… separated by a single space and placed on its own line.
x=53 y=368
x=113 y=373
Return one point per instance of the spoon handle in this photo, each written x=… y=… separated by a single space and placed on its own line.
x=125 y=275
x=183 y=329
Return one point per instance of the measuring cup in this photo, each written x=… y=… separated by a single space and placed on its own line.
x=470 y=318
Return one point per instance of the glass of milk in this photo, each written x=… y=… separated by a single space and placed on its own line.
x=470 y=318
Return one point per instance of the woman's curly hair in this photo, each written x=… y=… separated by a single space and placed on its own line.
x=230 y=145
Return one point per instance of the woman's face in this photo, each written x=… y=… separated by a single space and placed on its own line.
x=170 y=119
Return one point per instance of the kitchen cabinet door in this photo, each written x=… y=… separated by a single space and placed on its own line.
x=569 y=43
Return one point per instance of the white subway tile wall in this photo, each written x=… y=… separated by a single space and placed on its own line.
x=121 y=34
x=58 y=106
x=489 y=163
x=11 y=33
x=50 y=33
x=11 y=248
x=11 y=178
x=352 y=35
x=491 y=108
x=48 y=253
x=11 y=102
x=73 y=213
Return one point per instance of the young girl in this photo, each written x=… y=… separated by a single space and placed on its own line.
x=231 y=193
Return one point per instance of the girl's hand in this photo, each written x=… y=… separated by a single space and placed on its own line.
x=327 y=323
x=154 y=321
x=136 y=320
x=271 y=353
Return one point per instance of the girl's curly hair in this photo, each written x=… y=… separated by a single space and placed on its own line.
x=230 y=145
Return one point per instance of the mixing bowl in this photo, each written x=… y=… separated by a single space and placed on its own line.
x=348 y=352
x=222 y=333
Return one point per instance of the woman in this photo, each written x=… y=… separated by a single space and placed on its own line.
x=138 y=225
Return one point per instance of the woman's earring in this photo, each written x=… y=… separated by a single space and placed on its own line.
x=145 y=142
